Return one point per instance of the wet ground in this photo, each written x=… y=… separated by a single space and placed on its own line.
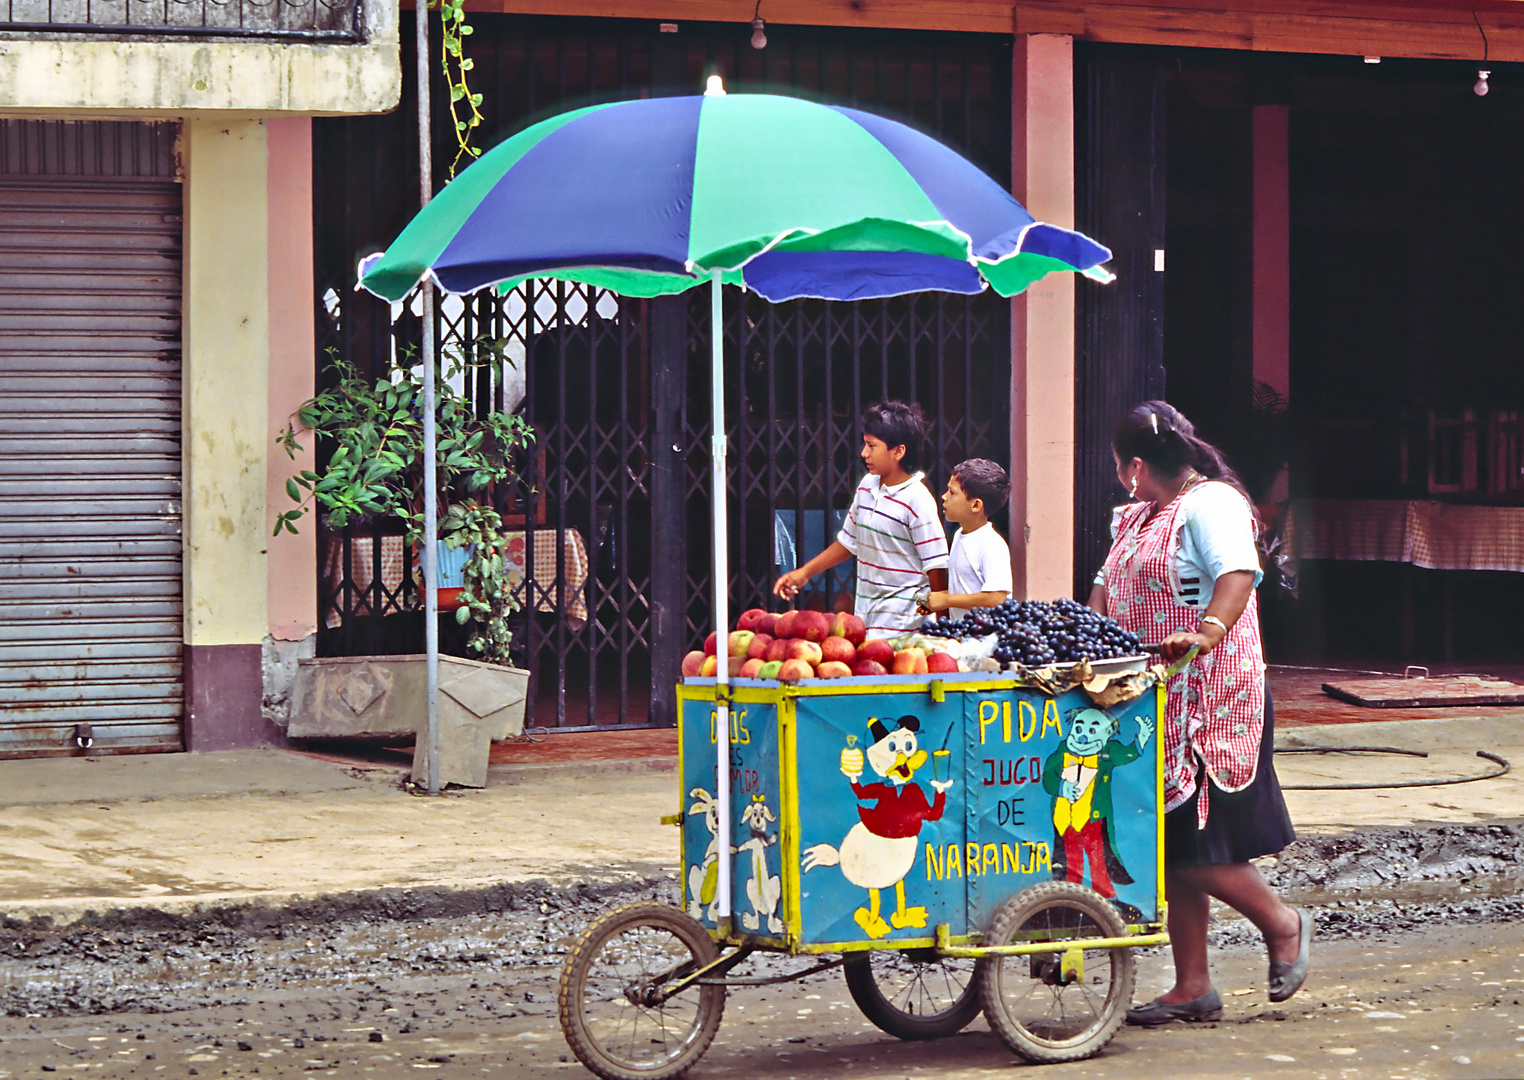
x=1418 y=974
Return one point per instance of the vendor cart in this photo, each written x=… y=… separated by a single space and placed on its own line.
x=954 y=842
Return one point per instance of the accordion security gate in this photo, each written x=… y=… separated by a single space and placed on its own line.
x=613 y=509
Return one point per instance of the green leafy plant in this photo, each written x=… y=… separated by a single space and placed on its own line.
x=376 y=470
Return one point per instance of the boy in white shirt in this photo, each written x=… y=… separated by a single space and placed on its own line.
x=892 y=527
x=979 y=566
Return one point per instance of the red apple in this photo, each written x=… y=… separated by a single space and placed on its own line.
x=813 y=625
x=767 y=624
x=808 y=651
x=869 y=667
x=832 y=669
x=692 y=663
x=941 y=663
x=711 y=645
x=838 y=649
x=736 y=663
x=749 y=619
x=758 y=646
x=878 y=650
x=751 y=669
x=777 y=650
x=849 y=626
x=910 y=661
x=784 y=625
x=740 y=641
x=770 y=669
x=711 y=665
x=795 y=669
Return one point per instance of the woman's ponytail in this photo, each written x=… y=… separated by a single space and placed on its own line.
x=1158 y=433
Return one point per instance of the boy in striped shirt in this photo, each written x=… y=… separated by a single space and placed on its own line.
x=893 y=528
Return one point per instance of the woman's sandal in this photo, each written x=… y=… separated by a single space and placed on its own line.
x=1286 y=979
x=1207 y=1007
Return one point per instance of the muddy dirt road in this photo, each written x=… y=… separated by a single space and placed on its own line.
x=1399 y=990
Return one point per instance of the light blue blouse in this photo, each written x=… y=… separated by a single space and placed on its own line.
x=1216 y=538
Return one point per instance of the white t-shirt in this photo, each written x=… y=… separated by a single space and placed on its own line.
x=980 y=561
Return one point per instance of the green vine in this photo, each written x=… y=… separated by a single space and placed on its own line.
x=452 y=17
x=376 y=470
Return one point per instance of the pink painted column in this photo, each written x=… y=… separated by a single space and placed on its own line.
x=1042 y=325
x=1272 y=256
x=292 y=560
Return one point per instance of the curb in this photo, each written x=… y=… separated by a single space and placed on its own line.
x=269 y=911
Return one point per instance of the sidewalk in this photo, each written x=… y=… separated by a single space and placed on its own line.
x=126 y=838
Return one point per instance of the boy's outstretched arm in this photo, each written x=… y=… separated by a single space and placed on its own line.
x=789 y=584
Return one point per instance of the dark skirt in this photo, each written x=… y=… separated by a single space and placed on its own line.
x=1241 y=825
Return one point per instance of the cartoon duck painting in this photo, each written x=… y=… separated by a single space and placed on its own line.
x=880 y=849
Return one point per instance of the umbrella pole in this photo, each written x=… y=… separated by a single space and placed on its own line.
x=721 y=540
x=430 y=448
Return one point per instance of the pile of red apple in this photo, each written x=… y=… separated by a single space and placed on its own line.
x=809 y=645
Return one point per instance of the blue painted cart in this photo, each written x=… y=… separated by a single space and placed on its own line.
x=955 y=842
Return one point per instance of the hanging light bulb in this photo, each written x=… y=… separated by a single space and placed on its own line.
x=1481 y=87
x=758 y=35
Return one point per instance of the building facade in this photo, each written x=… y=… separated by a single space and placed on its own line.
x=156 y=329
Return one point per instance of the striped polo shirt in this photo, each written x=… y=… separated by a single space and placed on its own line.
x=896 y=535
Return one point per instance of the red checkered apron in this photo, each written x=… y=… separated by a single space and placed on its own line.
x=1215 y=709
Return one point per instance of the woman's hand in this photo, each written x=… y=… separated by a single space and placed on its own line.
x=1175 y=646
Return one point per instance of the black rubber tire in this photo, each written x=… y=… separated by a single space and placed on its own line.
x=1026 y=1001
x=913 y=978
x=629 y=947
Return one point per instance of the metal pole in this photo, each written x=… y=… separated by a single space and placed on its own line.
x=721 y=590
x=430 y=464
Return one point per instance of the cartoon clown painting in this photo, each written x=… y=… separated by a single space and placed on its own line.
x=1078 y=776
x=880 y=849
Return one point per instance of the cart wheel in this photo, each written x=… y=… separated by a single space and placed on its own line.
x=913 y=993
x=607 y=997
x=1061 y=1006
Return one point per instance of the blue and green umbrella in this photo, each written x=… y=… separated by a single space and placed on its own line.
x=788 y=198
x=785 y=197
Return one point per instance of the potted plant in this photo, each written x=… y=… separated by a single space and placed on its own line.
x=375 y=427
x=376 y=470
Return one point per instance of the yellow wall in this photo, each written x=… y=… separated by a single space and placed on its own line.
x=226 y=369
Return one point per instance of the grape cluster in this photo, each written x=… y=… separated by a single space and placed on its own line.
x=1037 y=633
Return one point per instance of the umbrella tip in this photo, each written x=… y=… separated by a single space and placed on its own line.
x=715 y=87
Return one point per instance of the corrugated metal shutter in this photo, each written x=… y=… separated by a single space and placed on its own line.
x=90 y=557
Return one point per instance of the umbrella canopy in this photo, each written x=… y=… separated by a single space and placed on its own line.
x=787 y=197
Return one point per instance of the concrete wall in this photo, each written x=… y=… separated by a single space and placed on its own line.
x=1042 y=324
x=291 y=563
x=105 y=79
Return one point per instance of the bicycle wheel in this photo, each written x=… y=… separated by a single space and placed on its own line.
x=609 y=994
x=913 y=993
x=1062 y=1006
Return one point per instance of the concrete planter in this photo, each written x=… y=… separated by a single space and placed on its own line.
x=383 y=697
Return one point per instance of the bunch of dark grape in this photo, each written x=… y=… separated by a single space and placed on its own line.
x=1037 y=633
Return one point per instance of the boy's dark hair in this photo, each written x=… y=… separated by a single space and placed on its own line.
x=981 y=478
x=898 y=424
